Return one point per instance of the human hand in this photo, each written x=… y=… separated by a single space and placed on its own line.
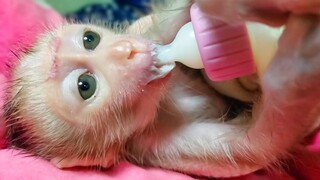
x=272 y=12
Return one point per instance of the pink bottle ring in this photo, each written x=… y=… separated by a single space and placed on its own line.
x=225 y=50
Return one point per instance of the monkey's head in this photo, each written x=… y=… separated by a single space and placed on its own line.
x=81 y=92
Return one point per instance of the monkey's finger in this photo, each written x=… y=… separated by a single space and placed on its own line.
x=303 y=37
x=296 y=66
x=298 y=30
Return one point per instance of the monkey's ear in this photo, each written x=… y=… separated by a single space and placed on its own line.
x=74 y=162
x=141 y=26
x=163 y=24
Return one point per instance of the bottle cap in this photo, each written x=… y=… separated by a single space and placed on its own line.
x=224 y=49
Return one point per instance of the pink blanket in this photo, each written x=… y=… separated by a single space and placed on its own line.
x=20 y=23
x=17 y=166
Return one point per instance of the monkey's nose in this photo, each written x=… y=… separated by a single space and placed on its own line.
x=123 y=50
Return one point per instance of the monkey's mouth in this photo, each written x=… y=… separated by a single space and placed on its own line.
x=161 y=70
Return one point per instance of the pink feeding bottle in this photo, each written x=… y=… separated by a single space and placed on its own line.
x=224 y=51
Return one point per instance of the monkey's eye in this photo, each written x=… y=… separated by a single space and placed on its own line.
x=87 y=86
x=91 y=40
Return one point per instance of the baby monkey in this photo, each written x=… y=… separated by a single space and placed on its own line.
x=86 y=95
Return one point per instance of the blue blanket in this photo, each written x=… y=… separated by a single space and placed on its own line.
x=118 y=11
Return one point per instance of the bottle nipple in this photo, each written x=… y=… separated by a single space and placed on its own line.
x=182 y=49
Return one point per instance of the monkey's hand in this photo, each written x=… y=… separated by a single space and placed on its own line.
x=292 y=80
x=291 y=90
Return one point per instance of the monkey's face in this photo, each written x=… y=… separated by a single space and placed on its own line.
x=95 y=89
x=94 y=70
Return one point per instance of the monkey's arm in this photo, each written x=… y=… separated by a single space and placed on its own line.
x=288 y=109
